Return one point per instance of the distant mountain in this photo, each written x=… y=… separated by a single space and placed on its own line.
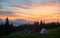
x=17 y=22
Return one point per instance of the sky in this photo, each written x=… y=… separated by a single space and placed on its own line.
x=31 y=10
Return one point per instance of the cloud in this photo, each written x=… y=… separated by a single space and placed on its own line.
x=25 y=3
x=45 y=1
x=29 y=9
x=22 y=6
x=7 y=13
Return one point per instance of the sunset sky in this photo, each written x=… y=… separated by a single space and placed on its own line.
x=31 y=10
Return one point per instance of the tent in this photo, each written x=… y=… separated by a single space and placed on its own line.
x=44 y=31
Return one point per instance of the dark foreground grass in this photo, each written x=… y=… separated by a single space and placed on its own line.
x=53 y=33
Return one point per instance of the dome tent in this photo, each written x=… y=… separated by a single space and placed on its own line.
x=44 y=31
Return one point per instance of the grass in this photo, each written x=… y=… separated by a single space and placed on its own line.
x=52 y=33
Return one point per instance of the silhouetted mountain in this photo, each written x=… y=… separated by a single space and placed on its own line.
x=17 y=22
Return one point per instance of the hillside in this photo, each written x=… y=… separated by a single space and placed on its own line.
x=53 y=33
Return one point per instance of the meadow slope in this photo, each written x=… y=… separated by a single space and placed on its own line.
x=52 y=33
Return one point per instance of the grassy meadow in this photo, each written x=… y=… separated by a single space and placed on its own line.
x=52 y=33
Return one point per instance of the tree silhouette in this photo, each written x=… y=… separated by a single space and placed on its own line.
x=7 y=21
x=6 y=27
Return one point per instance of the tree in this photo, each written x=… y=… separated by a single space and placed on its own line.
x=7 y=27
x=7 y=21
